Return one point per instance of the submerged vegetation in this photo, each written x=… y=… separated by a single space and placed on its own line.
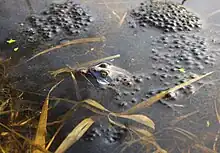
x=23 y=124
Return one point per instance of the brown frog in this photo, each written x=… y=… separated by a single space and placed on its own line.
x=106 y=74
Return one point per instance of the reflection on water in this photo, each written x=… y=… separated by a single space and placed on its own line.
x=29 y=6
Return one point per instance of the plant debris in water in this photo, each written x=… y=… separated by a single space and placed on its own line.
x=143 y=134
x=167 y=16
x=72 y=42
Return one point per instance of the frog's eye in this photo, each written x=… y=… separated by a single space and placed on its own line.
x=104 y=74
x=103 y=65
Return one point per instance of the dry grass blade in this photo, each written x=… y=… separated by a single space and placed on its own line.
x=6 y=112
x=116 y=123
x=159 y=149
x=40 y=138
x=148 y=138
x=142 y=119
x=2 y=150
x=185 y=133
x=146 y=104
x=213 y=13
x=61 y=70
x=188 y=82
x=93 y=109
x=173 y=122
x=23 y=122
x=204 y=149
x=142 y=132
x=69 y=69
x=214 y=147
x=73 y=42
x=117 y=16
x=75 y=135
x=3 y=105
x=95 y=104
x=122 y=19
x=52 y=139
x=26 y=139
x=161 y=95
x=216 y=112
x=76 y=86
x=99 y=60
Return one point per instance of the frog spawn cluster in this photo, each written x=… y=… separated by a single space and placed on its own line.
x=108 y=134
x=176 y=57
x=180 y=50
x=68 y=18
x=167 y=16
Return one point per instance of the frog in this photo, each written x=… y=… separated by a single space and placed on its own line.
x=108 y=75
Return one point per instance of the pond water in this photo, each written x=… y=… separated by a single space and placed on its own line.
x=160 y=57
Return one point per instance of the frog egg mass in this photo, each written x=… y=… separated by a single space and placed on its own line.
x=68 y=18
x=167 y=16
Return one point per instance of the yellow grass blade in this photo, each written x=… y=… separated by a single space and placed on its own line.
x=42 y=125
x=148 y=138
x=73 y=42
x=217 y=113
x=75 y=135
x=122 y=19
x=143 y=132
x=116 y=123
x=2 y=150
x=6 y=112
x=23 y=122
x=188 y=82
x=161 y=95
x=99 y=60
x=142 y=119
x=61 y=70
x=52 y=139
x=76 y=86
x=93 y=109
x=40 y=138
x=146 y=103
x=95 y=104
x=3 y=105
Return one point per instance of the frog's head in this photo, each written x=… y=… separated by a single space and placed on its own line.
x=107 y=74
